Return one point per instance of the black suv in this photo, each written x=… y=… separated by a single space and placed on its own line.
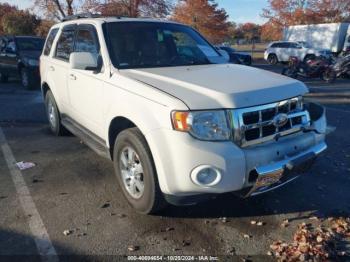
x=237 y=57
x=19 y=55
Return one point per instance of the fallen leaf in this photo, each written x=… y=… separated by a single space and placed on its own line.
x=133 y=248
x=67 y=232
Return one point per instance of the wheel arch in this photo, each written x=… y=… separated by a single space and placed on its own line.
x=117 y=125
x=44 y=88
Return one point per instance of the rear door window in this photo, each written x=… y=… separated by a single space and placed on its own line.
x=49 y=41
x=65 y=44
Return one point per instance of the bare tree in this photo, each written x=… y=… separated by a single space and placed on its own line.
x=56 y=9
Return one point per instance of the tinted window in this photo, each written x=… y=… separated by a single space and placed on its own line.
x=65 y=43
x=275 y=45
x=142 y=44
x=49 y=41
x=86 y=40
x=29 y=43
x=294 y=45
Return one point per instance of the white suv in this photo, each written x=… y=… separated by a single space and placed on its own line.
x=179 y=123
x=281 y=51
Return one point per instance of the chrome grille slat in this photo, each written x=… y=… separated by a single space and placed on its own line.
x=261 y=128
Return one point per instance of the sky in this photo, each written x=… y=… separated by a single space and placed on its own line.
x=240 y=11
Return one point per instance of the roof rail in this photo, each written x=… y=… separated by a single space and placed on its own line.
x=80 y=16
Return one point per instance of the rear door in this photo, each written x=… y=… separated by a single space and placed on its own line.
x=295 y=50
x=285 y=51
x=85 y=87
x=58 y=68
x=278 y=50
x=45 y=59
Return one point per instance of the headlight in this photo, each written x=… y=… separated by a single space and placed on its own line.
x=203 y=125
x=32 y=62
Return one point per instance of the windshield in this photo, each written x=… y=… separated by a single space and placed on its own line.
x=152 y=44
x=29 y=44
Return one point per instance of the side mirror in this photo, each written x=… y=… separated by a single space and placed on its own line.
x=224 y=54
x=85 y=61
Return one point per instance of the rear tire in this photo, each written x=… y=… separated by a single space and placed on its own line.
x=272 y=59
x=136 y=172
x=53 y=115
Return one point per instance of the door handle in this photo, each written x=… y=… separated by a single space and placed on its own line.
x=51 y=68
x=72 y=77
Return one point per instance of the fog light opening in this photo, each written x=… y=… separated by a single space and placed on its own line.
x=206 y=175
x=253 y=176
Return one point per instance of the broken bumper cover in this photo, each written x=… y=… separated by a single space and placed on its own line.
x=272 y=176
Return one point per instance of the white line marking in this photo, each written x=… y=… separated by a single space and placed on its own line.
x=37 y=227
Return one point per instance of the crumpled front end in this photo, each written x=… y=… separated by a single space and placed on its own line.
x=272 y=165
x=191 y=170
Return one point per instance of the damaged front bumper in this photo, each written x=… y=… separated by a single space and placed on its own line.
x=275 y=175
x=278 y=173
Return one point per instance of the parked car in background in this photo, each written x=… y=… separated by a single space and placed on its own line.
x=19 y=56
x=237 y=57
x=334 y=36
x=179 y=123
x=281 y=51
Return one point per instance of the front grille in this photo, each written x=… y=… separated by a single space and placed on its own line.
x=259 y=124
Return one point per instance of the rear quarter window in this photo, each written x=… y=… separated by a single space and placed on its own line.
x=49 y=41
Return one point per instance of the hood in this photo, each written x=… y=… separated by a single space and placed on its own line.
x=219 y=85
x=30 y=54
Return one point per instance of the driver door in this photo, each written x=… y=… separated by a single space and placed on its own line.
x=85 y=87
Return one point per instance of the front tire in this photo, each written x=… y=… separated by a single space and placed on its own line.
x=136 y=172
x=53 y=115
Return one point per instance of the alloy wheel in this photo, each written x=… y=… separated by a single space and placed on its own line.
x=132 y=172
